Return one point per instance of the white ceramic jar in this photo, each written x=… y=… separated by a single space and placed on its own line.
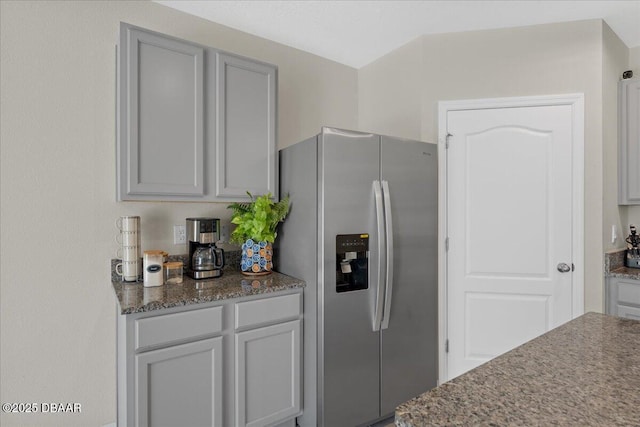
x=152 y=268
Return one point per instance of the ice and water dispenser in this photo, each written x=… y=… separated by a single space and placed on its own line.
x=352 y=262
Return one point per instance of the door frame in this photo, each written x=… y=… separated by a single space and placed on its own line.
x=576 y=101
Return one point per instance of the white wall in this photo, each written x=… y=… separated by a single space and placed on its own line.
x=57 y=190
x=536 y=60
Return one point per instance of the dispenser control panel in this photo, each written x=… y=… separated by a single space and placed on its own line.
x=352 y=262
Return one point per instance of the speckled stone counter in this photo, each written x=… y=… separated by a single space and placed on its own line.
x=135 y=298
x=583 y=373
x=614 y=266
x=625 y=273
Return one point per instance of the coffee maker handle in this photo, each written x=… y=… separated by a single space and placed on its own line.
x=219 y=252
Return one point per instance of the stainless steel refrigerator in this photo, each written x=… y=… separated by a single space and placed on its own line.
x=362 y=233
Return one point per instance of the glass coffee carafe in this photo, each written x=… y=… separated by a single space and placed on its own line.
x=207 y=257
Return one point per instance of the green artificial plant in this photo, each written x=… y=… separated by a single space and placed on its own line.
x=257 y=219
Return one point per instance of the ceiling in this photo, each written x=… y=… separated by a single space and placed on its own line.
x=356 y=33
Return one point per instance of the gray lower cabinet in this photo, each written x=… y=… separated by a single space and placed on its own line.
x=219 y=364
x=623 y=297
x=268 y=361
x=629 y=142
x=180 y=385
x=193 y=123
x=268 y=374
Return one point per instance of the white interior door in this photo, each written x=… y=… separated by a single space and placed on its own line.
x=510 y=226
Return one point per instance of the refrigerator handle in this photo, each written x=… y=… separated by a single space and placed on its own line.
x=377 y=191
x=389 y=261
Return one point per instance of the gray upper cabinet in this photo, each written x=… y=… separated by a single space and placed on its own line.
x=629 y=142
x=193 y=123
x=161 y=112
x=246 y=127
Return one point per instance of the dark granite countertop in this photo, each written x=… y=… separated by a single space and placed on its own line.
x=135 y=298
x=625 y=273
x=583 y=373
x=614 y=266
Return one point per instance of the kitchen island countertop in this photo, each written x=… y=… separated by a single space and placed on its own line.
x=135 y=298
x=585 y=372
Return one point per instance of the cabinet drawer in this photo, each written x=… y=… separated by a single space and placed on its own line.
x=629 y=312
x=629 y=292
x=268 y=310
x=184 y=326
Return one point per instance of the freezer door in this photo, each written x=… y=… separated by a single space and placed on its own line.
x=349 y=348
x=409 y=344
x=297 y=251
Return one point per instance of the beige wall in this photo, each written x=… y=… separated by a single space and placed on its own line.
x=389 y=97
x=634 y=60
x=58 y=186
x=615 y=59
x=631 y=214
x=536 y=60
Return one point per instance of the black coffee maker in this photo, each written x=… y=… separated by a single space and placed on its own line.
x=633 y=252
x=205 y=259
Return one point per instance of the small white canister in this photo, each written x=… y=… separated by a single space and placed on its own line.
x=152 y=268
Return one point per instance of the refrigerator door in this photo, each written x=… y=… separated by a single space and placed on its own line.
x=409 y=344
x=349 y=348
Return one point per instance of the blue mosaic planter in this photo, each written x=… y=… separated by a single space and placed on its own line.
x=257 y=258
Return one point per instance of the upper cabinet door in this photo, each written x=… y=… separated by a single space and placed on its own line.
x=629 y=142
x=161 y=90
x=246 y=128
x=194 y=123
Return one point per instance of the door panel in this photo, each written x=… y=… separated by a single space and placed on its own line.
x=349 y=350
x=268 y=374
x=529 y=318
x=518 y=190
x=245 y=144
x=509 y=225
x=162 y=119
x=629 y=142
x=190 y=374
x=409 y=344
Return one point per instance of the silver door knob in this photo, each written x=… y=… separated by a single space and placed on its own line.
x=564 y=268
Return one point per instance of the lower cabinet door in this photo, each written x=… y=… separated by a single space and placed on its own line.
x=268 y=374
x=180 y=385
